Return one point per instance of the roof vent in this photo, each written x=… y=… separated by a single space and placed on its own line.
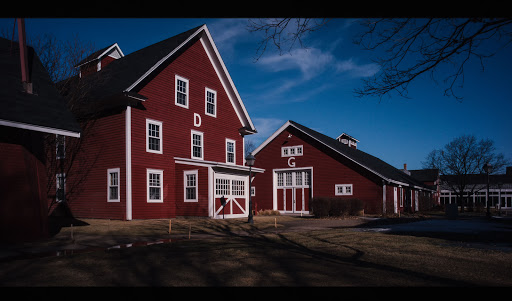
x=348 y=140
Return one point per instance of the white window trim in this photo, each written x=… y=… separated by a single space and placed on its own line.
x=185 y=173
x=161 y=173
x=118 y=171
x=253 y=191
x=288 y=150
x=344 y=189
x=57 y=186
x=192 y=132
x=206 y=90
x=177 y=77
x=234 y=151
x=160 y=132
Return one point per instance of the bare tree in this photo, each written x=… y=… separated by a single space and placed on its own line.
x=462 y=157
x=411 y=47
x=280 y=33
x=249 y=146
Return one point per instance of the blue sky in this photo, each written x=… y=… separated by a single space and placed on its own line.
x=314 y=86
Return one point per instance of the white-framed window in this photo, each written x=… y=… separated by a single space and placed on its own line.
x=113 y=191
x=222 y=187
x=291 y=151
x=343 y=189
x=196 y=145
x=238 y=187
x=210 y=102
x=190 y=185
x=153 y=136
x=253 y=191
x=288 y=179
x=155 y=179
x=280 y=179
x=230 y=151
x=298 y=178
x=60 y=146
x=181 y=91
x=60 y=187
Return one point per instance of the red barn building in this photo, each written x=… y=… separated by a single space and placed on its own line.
x=301 y=163
x=31 y=109
x=167 y=133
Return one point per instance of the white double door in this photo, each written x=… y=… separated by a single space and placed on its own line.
x=293 y=191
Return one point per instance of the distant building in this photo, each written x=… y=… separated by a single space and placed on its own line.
x=430 y=178
x=500 y=190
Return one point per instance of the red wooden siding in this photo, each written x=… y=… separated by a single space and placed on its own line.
x=327 y=172
x=23 y=211
x=106 y=146
x=177 y=123
x=103 y=147
x=199 y=208
x=106 y=60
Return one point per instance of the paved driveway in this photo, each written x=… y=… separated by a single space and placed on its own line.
x=495 y=233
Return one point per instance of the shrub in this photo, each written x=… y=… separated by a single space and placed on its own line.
x=268 y=212
x=324 y=207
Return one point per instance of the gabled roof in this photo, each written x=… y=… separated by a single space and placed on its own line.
x=100 y=53
x=44 y=110
x=367 y=161
x=425 y=175
x=131 y=72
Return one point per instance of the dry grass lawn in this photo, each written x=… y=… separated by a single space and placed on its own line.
x=234 y=253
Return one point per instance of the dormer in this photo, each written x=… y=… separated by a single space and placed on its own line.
x=99 y=59
x=348 y=140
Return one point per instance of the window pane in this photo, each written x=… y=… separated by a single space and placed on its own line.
x=154 y=136
x=230 y=148
x=182 y=98
x=154 y=193
x=181 y=92
x=154 y=144
x=196 y=146
x=279 y=179
x=222 y=187
x=231 y=158
x=113 y=193
x=114 y=180
x=288 y=179
x=298 y=178
x=191 y=193
x=210 y=102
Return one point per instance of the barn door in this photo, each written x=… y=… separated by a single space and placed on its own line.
x=293 y=191
x=231 y=196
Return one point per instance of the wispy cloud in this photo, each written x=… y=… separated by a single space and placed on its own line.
x=311 y=62
x=265 y=128
x=227 y=33
x=354 y=70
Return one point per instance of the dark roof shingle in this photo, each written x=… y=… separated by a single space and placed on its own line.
x=45 y=108
x=368 y=161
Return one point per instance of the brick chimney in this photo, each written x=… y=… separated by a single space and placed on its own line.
x=405 y=169
x=25 y=74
